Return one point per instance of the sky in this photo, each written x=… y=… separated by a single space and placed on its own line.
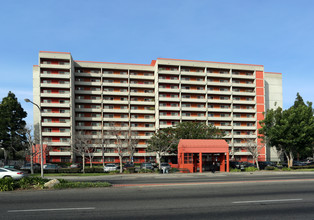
x=278 y=34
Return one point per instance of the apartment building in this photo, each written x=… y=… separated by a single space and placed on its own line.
x=90 y=98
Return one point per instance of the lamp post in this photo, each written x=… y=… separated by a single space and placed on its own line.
x=40 y=140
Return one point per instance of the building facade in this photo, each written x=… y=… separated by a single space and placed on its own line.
x=91 y=98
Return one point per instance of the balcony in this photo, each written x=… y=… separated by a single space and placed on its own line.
x=244 y=85
x=169 y=99
x=210 y=118
x=197 y=118
x=88 y=92
x=60 y=105
x=115 y=84
x=191 y=109
x=142 y=77
x=249 y=128
x=217 y=92
x=143 y=111
x=253 y=119
x=170 y=117
x=193 y=91
x=63 y=153
x=219 y=101
x=87 y=110
x=55 y=85
x=194 y=100
x=219 y=75
x=244 y=102
x=192 y=82
x=88 y=118
x=56 y=134
x=115 y=76
x=90 y=101
x=148 y=94
x=142 y=120
x=56 y=124
x=170 y=72
x=138 y=85
x=240 y=110
x=115 y=110
x=55 y=114
x=56 y=95
x=184 y=73
x=58 y=144
x=175 y=90
x=82 y=83
x=219 y=110
x=142 y=102
x=212 y=83
x=87 y=75
x=143 y=128
x=55 y=66
x=55 y=76
x=237 y=76
x=169 y=108
x=243 y=93
x=169 y=81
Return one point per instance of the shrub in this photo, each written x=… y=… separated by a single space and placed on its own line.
x=235 y=170
x=286 y=169
x=145 y=171
x=70 y=170
x=66 y=184
x=269 y=168
x=7 y=184
x=250 y=169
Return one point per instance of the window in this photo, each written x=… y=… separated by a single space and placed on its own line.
x=237 y=124
x=186 y=114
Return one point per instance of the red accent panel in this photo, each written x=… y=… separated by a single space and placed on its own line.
x=260 y=116
x=259 y=83
x=259 y=99
x=260 y=91
x=260 y=108
x=259 y=74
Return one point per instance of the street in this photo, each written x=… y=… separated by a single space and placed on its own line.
x=249 y=197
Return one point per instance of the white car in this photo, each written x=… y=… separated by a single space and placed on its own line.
x=11 y=173
x=110 y=167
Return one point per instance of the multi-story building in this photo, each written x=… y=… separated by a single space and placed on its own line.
x=92 y=97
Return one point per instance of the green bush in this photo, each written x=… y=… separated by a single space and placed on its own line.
x=235 y=170
x=66 y=184
x=31 y=182
x=145 y=171
x=250 y=169
x=270 y=168
x=70 y=170
x=286 y=169
x=94 y=170
x=7 y=184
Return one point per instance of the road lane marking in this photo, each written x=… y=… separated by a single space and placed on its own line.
x=276 y=200
x=45 y=210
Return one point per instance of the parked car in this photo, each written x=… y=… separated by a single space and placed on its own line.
x=234 y=164
x=110 y=167
x=147 y=166
x=75 y=165
x=11 y=173
x=27 y=166
x=263 y=164
x=51 y=167
x=128 y=165
x=165 y=166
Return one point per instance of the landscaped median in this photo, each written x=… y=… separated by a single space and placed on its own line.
x=38 y=183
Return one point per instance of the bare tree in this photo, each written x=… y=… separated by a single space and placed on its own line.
x=121 y=144
x=83 y=145
x=31 y=142
x=254 y=149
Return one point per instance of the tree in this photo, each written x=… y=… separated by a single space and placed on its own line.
x=254 y=148
x=162 y=142
x=31 y=142
x=83 y=145
x=197 y=130
x=12 y=125
x=166 y=140
x=291 y=130
x=125 y=144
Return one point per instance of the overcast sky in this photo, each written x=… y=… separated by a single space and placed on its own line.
x=278 y=34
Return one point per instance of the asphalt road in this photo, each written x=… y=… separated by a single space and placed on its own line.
x=289 y=198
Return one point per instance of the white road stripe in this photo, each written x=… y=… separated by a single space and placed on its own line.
x=278 y=200
x=45 y=210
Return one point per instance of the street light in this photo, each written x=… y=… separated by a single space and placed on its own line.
x=40 y=139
